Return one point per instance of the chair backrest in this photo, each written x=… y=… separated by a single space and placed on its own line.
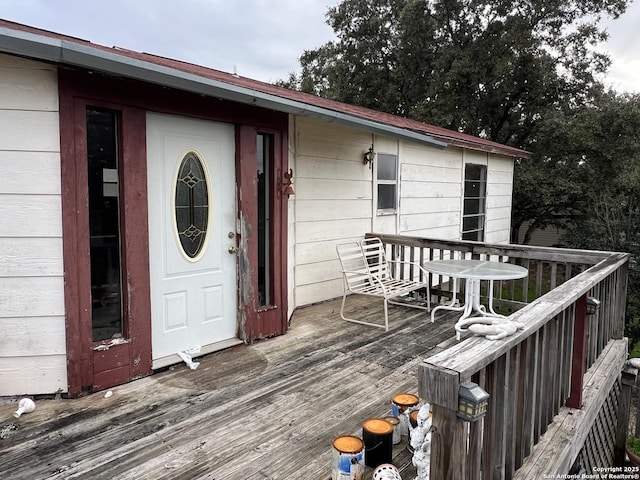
x=360 y=260
x=373 y=251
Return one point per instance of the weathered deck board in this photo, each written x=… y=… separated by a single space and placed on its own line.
x=263 y=411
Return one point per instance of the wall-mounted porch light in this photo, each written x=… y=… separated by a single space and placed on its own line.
x=287 y=186
x=472 y=402
x=593 y=305
x=369 y=155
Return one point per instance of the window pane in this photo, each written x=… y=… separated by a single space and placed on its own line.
x=474 y=172
x=473 y=236
x=386 y=197
x=474 y=189
x=472 y=223
x=104 y=224
x=191 y=205
x=471 y=206
x=263 y=165
x=387 y=168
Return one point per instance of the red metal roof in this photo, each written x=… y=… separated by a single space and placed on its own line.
x=450 y=137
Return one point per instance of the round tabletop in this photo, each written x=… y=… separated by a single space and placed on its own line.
x=476 y=269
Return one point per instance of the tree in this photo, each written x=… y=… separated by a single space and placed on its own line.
x=610 y=218
x=490 y=68
x=522 y=73
x=588 y=169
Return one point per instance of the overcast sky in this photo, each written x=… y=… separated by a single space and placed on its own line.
x=262 y=39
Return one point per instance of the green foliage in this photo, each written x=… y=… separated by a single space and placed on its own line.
x=489 y=68
x=632 y=331
x=633 y=444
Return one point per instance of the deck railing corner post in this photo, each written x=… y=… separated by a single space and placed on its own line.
x=580 y=332
x=628 y=380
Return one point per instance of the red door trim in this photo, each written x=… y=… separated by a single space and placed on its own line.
x=89 y=368
x=259 y=322
x=133 y=99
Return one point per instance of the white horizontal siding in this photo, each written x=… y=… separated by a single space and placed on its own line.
x=335 y=194
x=27 y=85
x=430 y=191
x=499 y=198
x=311 y=273
x=44 y=334
x=30 y=215
x=347 y=208
x=30 y=257
x=43 y=374
x=340 y=228
x=429 y=221
x=34 y=131
x=418 y=205
x=32 y=297
x=291 y=225
x=333 y=203
x=16 y=172
x=336 y=189
x=317 y=292
x=314 y=252
x=32 y=315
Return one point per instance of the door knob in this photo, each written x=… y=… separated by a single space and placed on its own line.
x=233 y=250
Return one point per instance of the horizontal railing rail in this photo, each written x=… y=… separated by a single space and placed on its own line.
x=531 y=375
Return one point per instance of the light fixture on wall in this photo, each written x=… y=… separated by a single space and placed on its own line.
x=287 y=186
x=368 y=157
x=593 y=305
x=472 y=402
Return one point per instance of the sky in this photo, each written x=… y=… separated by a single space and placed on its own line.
x=259 y=39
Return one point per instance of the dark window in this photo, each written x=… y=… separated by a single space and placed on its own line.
x=264 y=163
x=475 y=195
x=192 y=205
x=387 y=181
x=104 y=224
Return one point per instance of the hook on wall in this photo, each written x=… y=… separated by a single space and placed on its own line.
x=287 y=185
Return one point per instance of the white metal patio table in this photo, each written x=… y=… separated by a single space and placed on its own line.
x=473 y=272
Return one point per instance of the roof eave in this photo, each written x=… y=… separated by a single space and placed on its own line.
x=66 y=52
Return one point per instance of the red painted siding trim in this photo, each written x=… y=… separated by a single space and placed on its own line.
x=69 y=241
x=136 y=284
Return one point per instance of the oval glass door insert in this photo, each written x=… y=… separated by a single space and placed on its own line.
x=192 y=205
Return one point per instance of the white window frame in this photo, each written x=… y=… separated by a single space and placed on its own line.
x=394 y=182
x=477 y=233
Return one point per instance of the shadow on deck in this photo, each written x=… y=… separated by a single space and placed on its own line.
x=263 y=411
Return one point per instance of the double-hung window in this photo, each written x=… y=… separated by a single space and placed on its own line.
x=387 y=182
x=475 y=196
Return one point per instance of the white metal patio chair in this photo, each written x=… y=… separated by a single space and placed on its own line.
x=366 y=271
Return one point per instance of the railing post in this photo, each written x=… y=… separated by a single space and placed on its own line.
x=629 y=377
x=448 y=450
x=439 y=387
x=578 y=359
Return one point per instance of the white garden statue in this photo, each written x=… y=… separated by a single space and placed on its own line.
x=420 y=439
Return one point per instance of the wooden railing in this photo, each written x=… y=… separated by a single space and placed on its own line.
x=561 y=365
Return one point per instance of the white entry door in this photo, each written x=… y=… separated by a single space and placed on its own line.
x=192 y=217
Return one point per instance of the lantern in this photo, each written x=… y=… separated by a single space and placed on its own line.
x=593 y=305
x=472 y=402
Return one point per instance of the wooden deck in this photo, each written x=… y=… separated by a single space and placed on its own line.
x=263 y=411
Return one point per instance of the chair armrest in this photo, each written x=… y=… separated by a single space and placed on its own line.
x=415 y=264
x=373 y=278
